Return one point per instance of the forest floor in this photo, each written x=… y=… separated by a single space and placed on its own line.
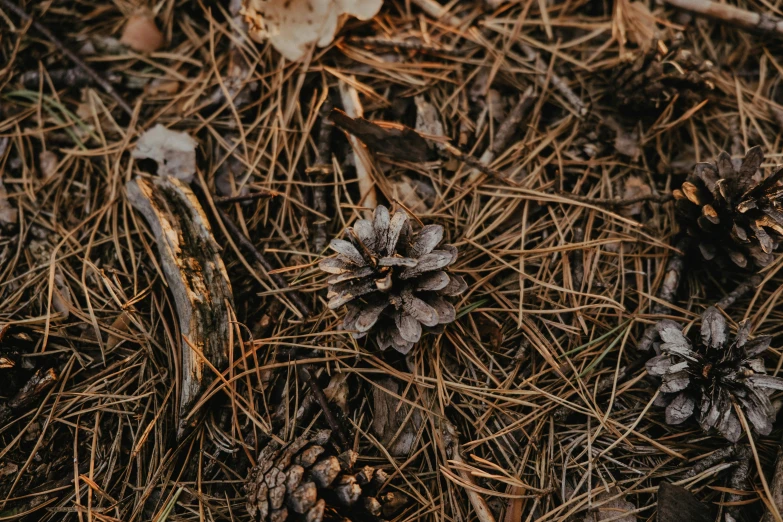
x=569 y=124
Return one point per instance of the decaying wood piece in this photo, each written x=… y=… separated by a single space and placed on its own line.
x=731 y=15
x=194 y=271
x=395 y=426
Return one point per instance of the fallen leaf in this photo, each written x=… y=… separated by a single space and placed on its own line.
x=416 y=195
x=634 y=187
x=47 y=161
x=293 y=26
x=121 y=324
x=337 y=391
x=427 y=118
x=141 y=34
x=174 y=152
x=611 y=509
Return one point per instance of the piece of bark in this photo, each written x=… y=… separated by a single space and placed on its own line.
x=195 y=273
x=677 y=504
x=391 y=423
x=38 y=383
x=391 y=139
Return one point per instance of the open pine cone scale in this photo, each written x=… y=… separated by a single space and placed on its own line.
x=393 y=280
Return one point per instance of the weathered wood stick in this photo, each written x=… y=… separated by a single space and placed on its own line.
x=195 y=274
x=731 y=15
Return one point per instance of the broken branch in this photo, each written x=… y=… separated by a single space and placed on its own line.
x=195 y=273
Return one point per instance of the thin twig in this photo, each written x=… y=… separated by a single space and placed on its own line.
x=247 y=197
x=238 y=236
x=607 y=202
x=105 y=85
x=742 y=289
x=321 y=168
x=453 y=152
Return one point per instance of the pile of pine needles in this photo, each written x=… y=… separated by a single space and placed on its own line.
x=564 y=237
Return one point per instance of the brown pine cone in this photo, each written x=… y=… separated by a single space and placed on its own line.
x=393 y=280
x=732 y=212
x=707 y=375
x=305 y=481
x=652 y=81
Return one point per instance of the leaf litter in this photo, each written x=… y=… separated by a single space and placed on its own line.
x=552 y=134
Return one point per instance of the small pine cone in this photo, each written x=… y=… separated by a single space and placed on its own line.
x=731 y=211
x=652 y=81
x=715 y=372
x=306 y=482
x=393 y=280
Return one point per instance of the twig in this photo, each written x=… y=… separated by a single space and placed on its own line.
x=607 y=202
x=408 y=45
x=556 y=81
x=669 y=287
x=704 y=464
x=738 y=292
x=450 y=439
x=105 y=85
x=322 y=166
x=247 y=197
x=748 y=20
x=506 y=130
x=453 y=152
x=334 y=424
x=238 y=236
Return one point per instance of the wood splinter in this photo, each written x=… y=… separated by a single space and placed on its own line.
x=195 y=273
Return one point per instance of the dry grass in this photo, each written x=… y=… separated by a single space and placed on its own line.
x=560 y=288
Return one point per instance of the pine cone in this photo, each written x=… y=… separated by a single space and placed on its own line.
x=730 y=210
x=653 y=80
x=392 y=280
x=715 y=372
x=305 y=481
